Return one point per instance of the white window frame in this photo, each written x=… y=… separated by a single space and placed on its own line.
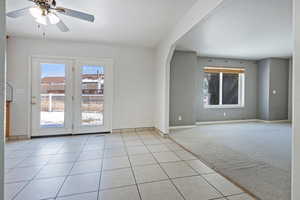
x=241 y=88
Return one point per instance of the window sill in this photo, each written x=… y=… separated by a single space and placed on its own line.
x=223 y=106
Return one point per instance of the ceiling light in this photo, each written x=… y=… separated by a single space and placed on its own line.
x=42 y=20
x=36 y=12
x=53 y=18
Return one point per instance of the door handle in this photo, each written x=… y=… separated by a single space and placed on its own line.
x=33 y=100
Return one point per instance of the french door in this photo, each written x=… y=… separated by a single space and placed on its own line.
x=71 y=96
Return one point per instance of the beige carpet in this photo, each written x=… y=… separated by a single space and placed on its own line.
x=257 y=156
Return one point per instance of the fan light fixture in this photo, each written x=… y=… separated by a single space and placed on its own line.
x=36 y=12
x=47 y=12
x=41 y=18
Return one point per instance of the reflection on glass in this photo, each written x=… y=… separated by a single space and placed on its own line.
x=52 y=95
x=211 y=89
x=230 y=89
x=92 y=87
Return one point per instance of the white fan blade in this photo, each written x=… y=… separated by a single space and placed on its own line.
x=76 y=14
x=18 y=13
x=62 y=26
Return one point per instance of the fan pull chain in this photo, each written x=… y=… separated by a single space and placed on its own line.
x=43 y=33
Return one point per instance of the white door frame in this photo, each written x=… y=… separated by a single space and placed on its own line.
x=35 y=106
x=108 y=96
x=108 y=109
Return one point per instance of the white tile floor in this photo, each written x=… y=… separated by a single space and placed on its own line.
x=127 y=166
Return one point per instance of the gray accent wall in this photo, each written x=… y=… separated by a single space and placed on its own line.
x=263 y=88
x=273 y=89
x=249 y=111
x=279 y=82
x=261 y=79
x=183 y=89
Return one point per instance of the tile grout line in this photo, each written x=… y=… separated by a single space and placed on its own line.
x=131 y=167
x=72 y=162
x=139 y=137
x=223 y=196
x=82 y=151
x=68 y=175
x=181 y=194
x=143 y=183
x=28 y=182
x=214 y=169
x=101 y=171
x=200 y=174
x=203 y=174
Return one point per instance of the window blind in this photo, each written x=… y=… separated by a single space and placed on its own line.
x=225 y=70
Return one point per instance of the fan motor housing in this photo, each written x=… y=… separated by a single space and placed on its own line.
x=45 y=3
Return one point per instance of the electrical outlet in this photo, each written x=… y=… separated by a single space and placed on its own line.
x=179 y=118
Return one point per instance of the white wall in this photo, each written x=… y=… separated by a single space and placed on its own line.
x=164 y=53
x=2 y=93
x=290 y=106
x=163 y=59
x=296 y=104
x=133 y=78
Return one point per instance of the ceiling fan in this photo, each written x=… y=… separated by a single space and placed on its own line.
x=46 y=12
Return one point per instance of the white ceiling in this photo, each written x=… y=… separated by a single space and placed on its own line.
x=132 y=22
x=248 y=29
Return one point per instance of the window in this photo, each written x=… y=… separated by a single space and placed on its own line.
x=223 y=87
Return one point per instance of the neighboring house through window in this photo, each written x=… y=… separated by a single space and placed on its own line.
x=224 y=87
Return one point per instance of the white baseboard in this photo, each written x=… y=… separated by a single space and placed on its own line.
x=276 y=121
x=18 y=137
x=227 y=122
x=160 y=132
x=182 y=127
x=243 y=121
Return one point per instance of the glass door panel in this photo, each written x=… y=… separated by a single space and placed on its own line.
x=92 y=95
x=51 y=87
x=52 y=95
x=93 y=89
